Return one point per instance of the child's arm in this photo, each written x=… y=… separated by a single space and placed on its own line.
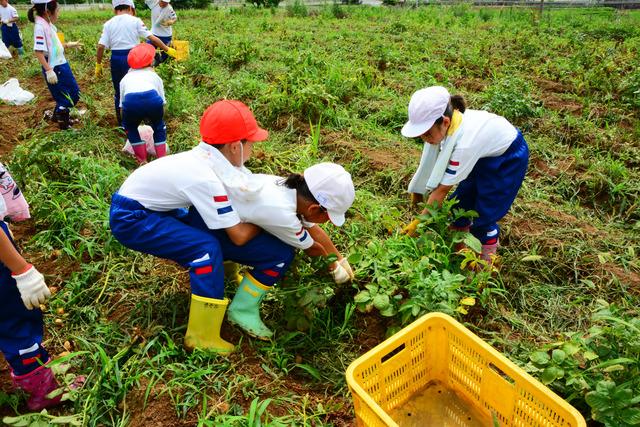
x=29 y=281
x=10 y=257
x=99 y=55
x=42 y=61
x=322 y=245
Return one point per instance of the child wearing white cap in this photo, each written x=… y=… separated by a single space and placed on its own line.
x=162 y=19
x=480 y=152
x=50 y=53
x=120 y=34
x=10 y=32
x=288 y=209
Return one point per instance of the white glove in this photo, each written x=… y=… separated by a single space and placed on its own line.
x=340 y=275
x=33 y=290
x=345 y=264
x=52 y=78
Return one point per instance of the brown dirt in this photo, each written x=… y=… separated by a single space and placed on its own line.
x=395 y=156
x=158 y=409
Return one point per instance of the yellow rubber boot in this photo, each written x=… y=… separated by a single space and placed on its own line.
x=232 y=271
x=205 y=320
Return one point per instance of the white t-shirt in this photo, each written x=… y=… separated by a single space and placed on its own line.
x=180 y=181
x=485 y=135
x=141 y=80
x=123 y=32
x=45 y=40
x=274 y=210
x=8 y=13
x=159 y=14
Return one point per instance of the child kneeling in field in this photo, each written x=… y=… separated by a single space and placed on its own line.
x=142 y=99
x=22 y=290
x=288 y=209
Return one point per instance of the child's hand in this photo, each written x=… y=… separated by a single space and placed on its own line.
x=32 y=288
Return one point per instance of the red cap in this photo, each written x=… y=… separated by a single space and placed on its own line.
x=141 y=56
x=230 y=121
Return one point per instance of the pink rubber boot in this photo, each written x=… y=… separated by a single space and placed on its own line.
x=161 y=149
x=38 y=384
x=140 y=151
x=489 y=252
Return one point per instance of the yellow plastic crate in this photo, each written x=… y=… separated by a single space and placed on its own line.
x=437 y=351
x=182 y=49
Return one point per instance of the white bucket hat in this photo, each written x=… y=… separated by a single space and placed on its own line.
x=332 y=187
x=426 y=106
x=117 y=3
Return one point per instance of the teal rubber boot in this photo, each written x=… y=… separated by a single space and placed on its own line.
x=244 y=310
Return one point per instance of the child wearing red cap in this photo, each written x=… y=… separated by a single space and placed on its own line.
x=121 y=34
x=22 y=290
x=142 y=99
x=148 y=215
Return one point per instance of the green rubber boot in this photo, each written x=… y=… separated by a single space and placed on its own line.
x=244 y=310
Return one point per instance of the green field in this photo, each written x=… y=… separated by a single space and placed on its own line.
x=333 y=84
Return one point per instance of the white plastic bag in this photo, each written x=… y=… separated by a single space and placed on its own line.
x=4 y=52
x=146 y=133
x=12 y=93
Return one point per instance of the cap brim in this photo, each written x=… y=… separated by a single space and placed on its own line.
x=336 y=218
x=414 y=130
x=259 y=135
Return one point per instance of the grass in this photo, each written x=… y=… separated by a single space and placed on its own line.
x=336 y=90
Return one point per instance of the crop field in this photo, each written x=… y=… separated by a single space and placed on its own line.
x=333 y=84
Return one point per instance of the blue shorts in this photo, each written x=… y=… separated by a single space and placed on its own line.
x=491 y=188
x=11 y=36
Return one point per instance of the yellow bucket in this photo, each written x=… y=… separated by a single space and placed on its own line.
x=61 y=37
x=182 y=49
x=436 y=358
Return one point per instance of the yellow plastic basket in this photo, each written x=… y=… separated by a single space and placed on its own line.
x=182 y=49
x=436 y=349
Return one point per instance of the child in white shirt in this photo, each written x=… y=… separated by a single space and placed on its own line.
x=10 y=32
x=162 y=18
x=142 y=99
x=121 y=34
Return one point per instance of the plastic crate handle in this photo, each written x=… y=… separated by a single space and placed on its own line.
x=392 y=353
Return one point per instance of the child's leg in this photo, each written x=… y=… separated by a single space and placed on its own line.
x=119 y=67
x=156 y=117
x=21 y=342
x=132 y=114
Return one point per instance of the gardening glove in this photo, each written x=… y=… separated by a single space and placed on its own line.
x=345 y=264
x=172 y=52
x=98 y=70
x=73 y=45
x=52 y=78
x=410 y=229
x=340 y=274
x=416 y=198
x=32 y=288
x=168 y=22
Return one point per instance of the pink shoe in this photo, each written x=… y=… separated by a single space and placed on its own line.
x=38 y=384
x=161 y=149
x=140 y=151
x=489 y=252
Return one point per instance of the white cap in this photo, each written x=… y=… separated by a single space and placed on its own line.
x=332 y=187
x=117 y=3
x=40 y=1
x=426 y=106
